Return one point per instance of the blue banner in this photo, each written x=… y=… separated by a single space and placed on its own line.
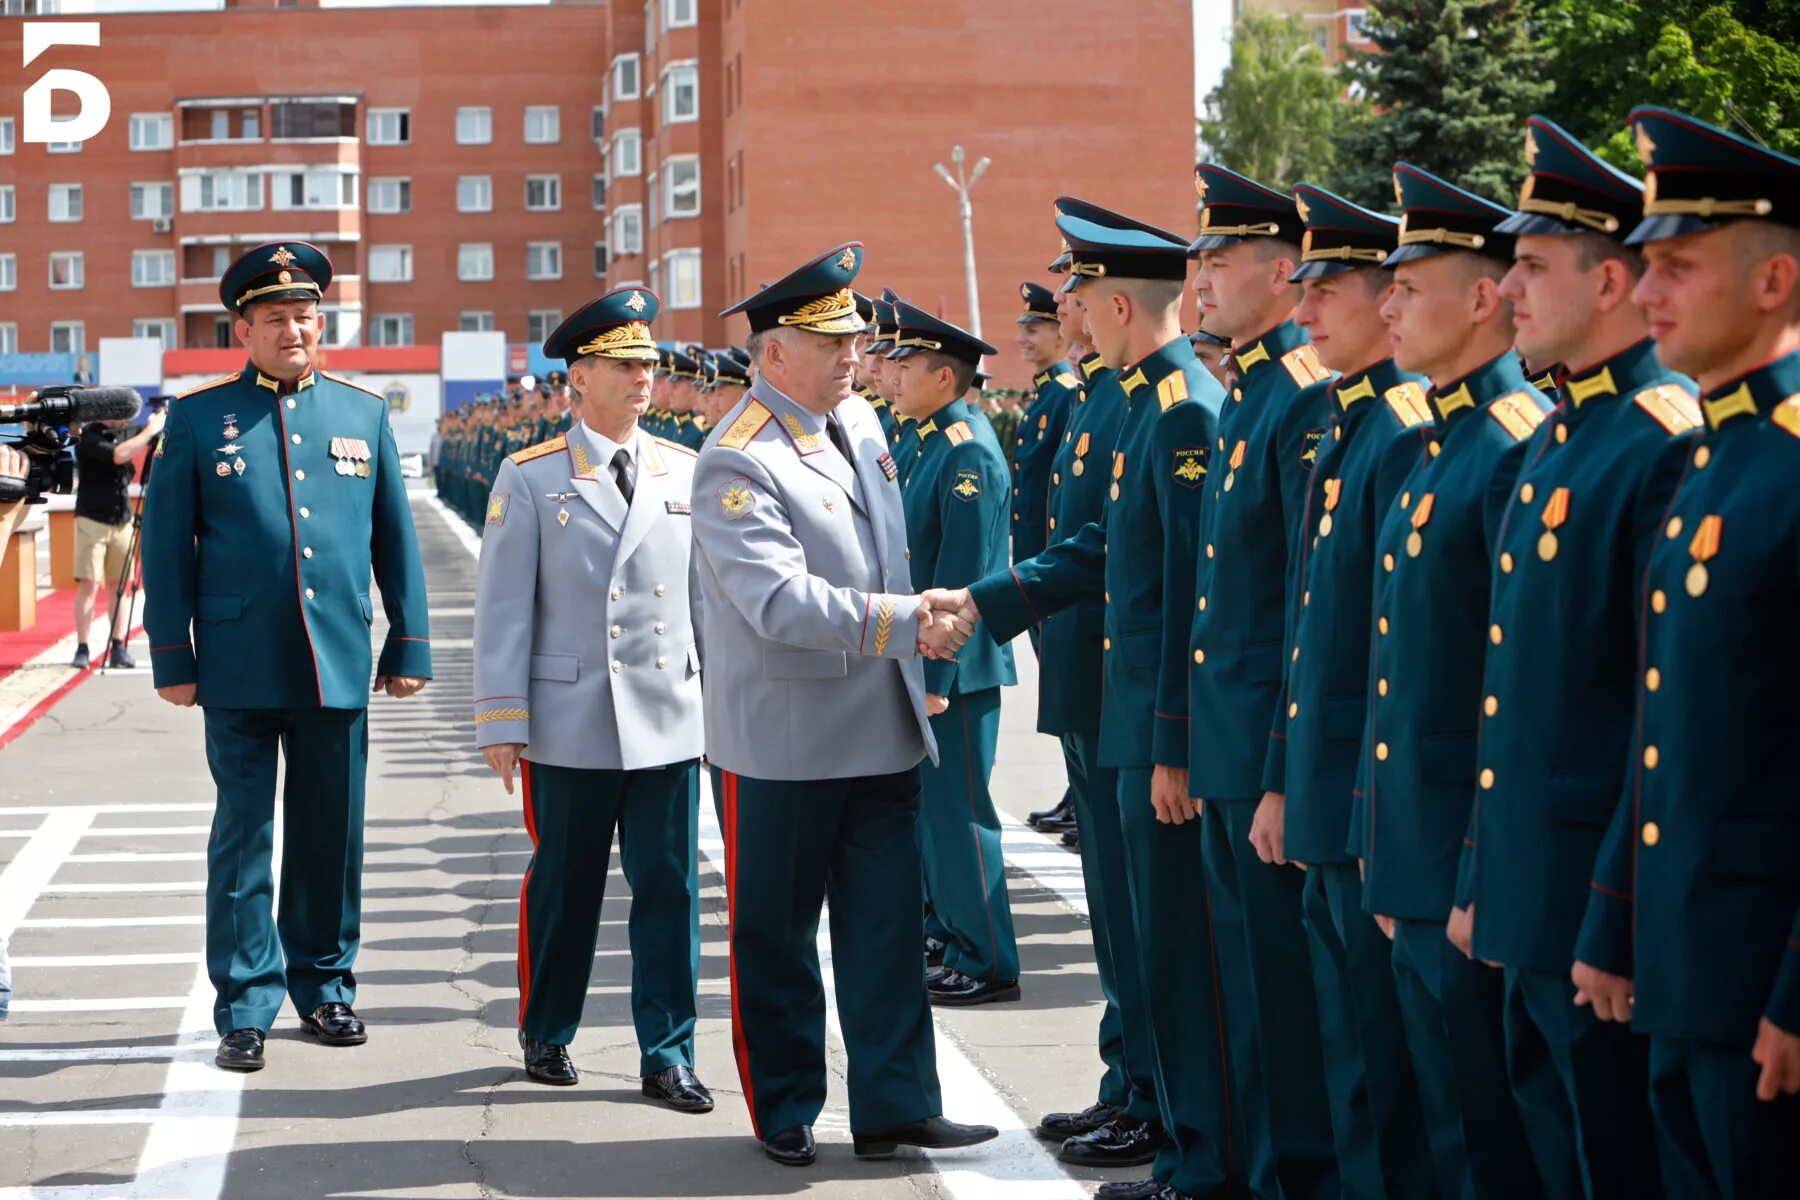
x=36 y=370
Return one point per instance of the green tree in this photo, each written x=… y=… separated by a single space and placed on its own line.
x=1452 y=82
x=1273 y=116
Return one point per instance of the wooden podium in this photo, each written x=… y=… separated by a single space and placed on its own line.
x=62 y=549
x=18 y=582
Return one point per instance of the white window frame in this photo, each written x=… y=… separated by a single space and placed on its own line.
x=9 y=272
x=549 y=113
x=165 y=330
x=143 y=276
x=401 y=254
x=467 y=274
x=79 y=274
x=473 y=112
x=652 y=11
x=475 y=320
x=617 y=165
x=9 y=337
x=541 y=250
x=623 y=246
x=685 y=291
x=403 y=119
x=71 y=196
x=63 y=148
x=78 y=341
x=405 y=330
x=246 y=187
x=669 y=193
x=402 y=188
x=160 y=125
x=540 y=323
x=601 y=248
x=673 y=11
x=552 y=201
x=9 y=142
x=142 y=189
x=9 y=204
x=670 y=91
x=486 y=182
x=342 y=196
x=616 y=77
x=600 y=184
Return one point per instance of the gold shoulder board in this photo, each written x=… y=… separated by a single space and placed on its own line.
x=1171 y=390
x=1787 y=414
x=1068 y=380
x=958 y=432
x=347 y=383
x=1671 y=407
x=1304 y=365
x=553 y=446
x=748 y=424
x=207 y=386
x=1407 y=400
x=687 y=450
x=1516 y=414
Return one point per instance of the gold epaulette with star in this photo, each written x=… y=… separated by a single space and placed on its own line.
x=958 y=432
x=1515 y=413
x=1171 y=390
x=1670 y=406
x=359 y=387
x=1407 y=400
x=554 y=446
x=687 y=450
x=748 y=424
x=1303 y=364
x=208 y=386
x=1068 y=380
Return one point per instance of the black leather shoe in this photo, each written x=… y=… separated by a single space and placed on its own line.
x=547 y=1062
x=335 y=1025
x=934 y=952
x=1060 y=817
x=1123 y=1141
x=680 y=1089
x=240 y=1050
x=1072 y=840
x=792 y=1147
x=933 y=1133
x=1061 y=1126
x=1137 y=1189
x=957 y=990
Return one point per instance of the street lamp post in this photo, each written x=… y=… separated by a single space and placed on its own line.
x=961 y=185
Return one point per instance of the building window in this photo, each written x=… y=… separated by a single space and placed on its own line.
x=681 y=278
x=390 y=127
x=9 y=272
x=649 y=27
x=599 y=260
x=9 y=205
x=160 y=328
x=152 y=201
x=475 y=262
x=152 y=131
x=250 y=125
x=626 y=84
x=543 y=193
x=1355 y=19
x=540 y=323
x=297 y=120
x=9 y=338
x=475 y=322
x=599 y=192
x=62 y=148
x=656 y=276
x=222 y=191
x=729 y=75
x=152 y=268
x=391 y=329
x=223 y=337
x=681 y=187
x=474 y=126
x=67 y=271
x=68 y=337
x=628 y=230
x=7 y=143
x=315 y=188
x=652 y=198
x=680 y=93
x=390 y=264
x=627 y=154
x=221 y=261
x=475 y=193
x=543 y=125
x=392 y=195
x=677 y=13
x=597 y=124
x=543 y=260
x=65 y=202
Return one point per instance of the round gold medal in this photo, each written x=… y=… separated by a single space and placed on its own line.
x=1230 y=479
x=1325 y=525
x=1115 y=491
x=1696 y=579
x=1547 y=545
x=1415 y=544
x=1078 y=467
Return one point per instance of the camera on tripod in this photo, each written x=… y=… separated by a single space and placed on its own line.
x=48 y=448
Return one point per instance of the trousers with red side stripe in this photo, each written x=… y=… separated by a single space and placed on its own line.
x=790 y=845
x=571 y=814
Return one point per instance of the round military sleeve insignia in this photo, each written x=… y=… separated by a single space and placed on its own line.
x=735 y=498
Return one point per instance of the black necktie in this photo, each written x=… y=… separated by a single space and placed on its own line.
x=621 y=465
x=839 y=438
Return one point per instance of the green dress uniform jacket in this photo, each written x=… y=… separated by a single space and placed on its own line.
x=1039 y=435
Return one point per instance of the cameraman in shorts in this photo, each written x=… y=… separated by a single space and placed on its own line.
x=104 y=471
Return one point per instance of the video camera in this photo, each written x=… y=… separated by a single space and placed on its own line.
x=48 y=448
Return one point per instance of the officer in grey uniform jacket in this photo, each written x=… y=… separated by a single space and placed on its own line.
x=587 y=677
x=815 y=716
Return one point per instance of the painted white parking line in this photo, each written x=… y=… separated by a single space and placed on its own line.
x=28 y=875
x=31 y=1004
x=189 y=1144
x=101 y=1054
x=41 y=809
x=110 y=922
x=109 y=960
x=139 y=856
x=183 y=886
x=79 y=1116
x=148 y=830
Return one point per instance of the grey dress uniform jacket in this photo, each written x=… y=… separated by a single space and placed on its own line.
x=807 y=602
x=585 y=647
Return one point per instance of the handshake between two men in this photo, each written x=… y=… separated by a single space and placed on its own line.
x=947 y=618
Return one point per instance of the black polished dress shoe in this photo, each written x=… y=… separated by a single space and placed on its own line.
x=1052 y=819
x=680 y=1089
x=1137 y=1189
x=1061 y=1126
x=1124 y=1141
x=792 y=1147
x=934 y=952
x=956 y=990
x=547 y=1062
x=240 y=1050
x=932 y=1133
x=335 y=1025
x=1072 y=840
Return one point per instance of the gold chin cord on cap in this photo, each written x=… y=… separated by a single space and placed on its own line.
x=1345 y=254
x=302 y=286
x=1443 y=237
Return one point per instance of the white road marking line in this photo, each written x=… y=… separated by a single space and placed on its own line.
x=28 y=875
x=41 y=809
x=189 y=1144
x=104 y=1054
x=186 y=958
x=1045 y=861
x=194 y=886
x=109 y=1004
x=149 y=830
x=110 y=922
x=471 y=541
x=136 y=856
x=80 y=1116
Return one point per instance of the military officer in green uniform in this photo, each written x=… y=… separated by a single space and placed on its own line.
x=1054 y=387
x=871 y=360
x=1138 y=560
x=1558 y=692
x=277 y=493
x=1377 y=417
x=1693 y=925
x=1448 y=322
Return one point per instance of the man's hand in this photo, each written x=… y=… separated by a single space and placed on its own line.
x=1385 y=924
x=946 y=619
x=504 y=758
x=1268 y=831
x=1461 y=930
x=1779 y=1053
x=181 y=695
x=399 y=687
x=936 y=705
x=1169 y=796
x=1609 y=994
x=13 y=462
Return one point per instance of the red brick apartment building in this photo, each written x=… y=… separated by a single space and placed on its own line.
x=491 y=165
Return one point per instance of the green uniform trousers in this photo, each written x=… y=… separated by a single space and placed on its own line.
x=571 y=814
x=1450 y=1009
x=1375 y=1117
x=1714 y=1139
x=253 y=955
x=789 y=846
x=965 y=875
